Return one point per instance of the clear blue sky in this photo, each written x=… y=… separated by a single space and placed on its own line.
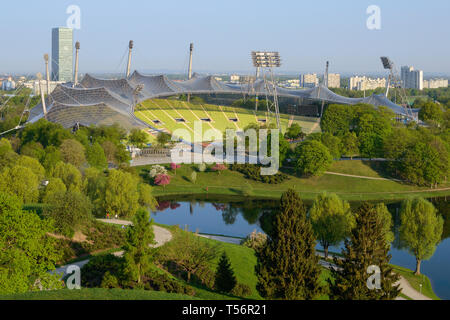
x=307 y=33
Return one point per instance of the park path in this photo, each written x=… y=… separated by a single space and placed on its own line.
x=162 y=236
x=361 y=177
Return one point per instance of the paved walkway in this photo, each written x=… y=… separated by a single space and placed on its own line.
x=361 y=177
x=162 y=236
x=409 y=291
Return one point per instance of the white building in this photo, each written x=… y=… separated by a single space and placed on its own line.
x=8 y=84
x=412 y=79
x=309 y=80
x=365 y=83
x=235 y=78
x=435 y=83
x=334 y=80
x=36 y=89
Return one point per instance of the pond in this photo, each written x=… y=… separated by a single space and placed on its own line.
x=239 y=217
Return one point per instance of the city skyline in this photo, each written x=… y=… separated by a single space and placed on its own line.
x=162 y=40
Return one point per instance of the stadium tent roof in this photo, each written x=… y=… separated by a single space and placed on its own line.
x=115 y=97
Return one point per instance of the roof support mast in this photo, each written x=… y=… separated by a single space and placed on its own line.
x=77 y=51
x=47 y=73
x=130 y=47
x=191 y=54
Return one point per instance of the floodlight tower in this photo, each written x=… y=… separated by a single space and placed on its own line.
x=77 y=51
x=130 y=50
x=266 y=61
x=396 y=81
x=191 y=53
x=44 y=107
x=47 y=74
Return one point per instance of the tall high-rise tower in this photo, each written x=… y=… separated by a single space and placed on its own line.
x=62 y=54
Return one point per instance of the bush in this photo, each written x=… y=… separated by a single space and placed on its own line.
x=109 y=281
x=161 y=282
x=202 y=167
x=241 y=290
x=93 y=273
x=255 y=240
x=157 y=170
x=253 y=172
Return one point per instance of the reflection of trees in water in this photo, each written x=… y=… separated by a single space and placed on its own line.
x=164 y=205
x=443 y=207
x=229 y=214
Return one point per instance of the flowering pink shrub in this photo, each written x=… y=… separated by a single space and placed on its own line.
x=162 y=180
x=219 y=167
x=174 y=167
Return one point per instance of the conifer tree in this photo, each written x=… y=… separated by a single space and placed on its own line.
x=366 y=247
x=287 y=266
x=225 y=280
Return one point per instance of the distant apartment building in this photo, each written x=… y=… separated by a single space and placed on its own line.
x=8 y=84
x=411 y=78
x=365 y=83
x=235 y=78
x=309 y=80
x=62 y=54
x=435 y=83
x=334 y=80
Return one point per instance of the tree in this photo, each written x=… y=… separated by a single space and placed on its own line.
x=350 y=144
x=138 y=254
x=190 y=253
x=55 y=185
x=20 y=181
x=219 y=167
x=163 y=138
x=162 y=180
x=287 y=266
x=71 y=211
x=337 y=119
x=138 y=138
x=225 y=280
x=26 y=252
x=386 y=220
x=431 y=111
x=313 y=158
x=174 y=167
x=294 y=132
x=194 y=177
x=96 y=156
x=365 y=250
x=121 y=194
x=73 y=152
x=110 y=150
x=69 y=174
x=51 y=158
x=146 y=199
x=332 y=220
x=32 y=164
x=421 y=229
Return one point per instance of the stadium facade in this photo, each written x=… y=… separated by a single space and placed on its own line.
x=104 y=102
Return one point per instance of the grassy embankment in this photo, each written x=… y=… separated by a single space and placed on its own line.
x=348 y=188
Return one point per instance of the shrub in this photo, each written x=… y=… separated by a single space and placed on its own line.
x=241 y=290
x=109 y=281
x=253 y=172
x=161 y=282
x=202 y=167
x=162 y=180
x=157 y=170
x=93 y=272
x=255 y=240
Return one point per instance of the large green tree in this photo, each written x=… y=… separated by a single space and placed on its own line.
x=138 y=138
x=69 y=174
x=96 y=156
x=421 y=229
x=20 y=181
x=364 y=252
x=138 y=253
x=431 y=111
x=225 y=280
x=71 y=211
x=313 y=158
x=73 y=152
x=288 y=267
x=121 y=194
x=27 y=253
x=332 y=220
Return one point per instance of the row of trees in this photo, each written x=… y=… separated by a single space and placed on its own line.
x=288 y=266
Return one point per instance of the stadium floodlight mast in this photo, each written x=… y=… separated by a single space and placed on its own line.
x=266 y=61
x=388 y=64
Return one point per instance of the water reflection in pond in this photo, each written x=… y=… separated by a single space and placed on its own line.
x=238 y=218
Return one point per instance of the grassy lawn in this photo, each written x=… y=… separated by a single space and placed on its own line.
x=415 y=281
x=97 y=294
x=348 y=188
